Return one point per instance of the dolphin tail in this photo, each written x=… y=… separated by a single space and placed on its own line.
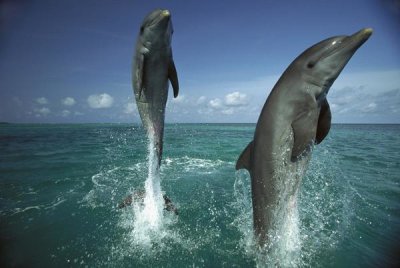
x=168 y=204
x=126 y=202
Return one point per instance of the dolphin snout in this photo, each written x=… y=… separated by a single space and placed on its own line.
x=165 y=13
x=363 y=34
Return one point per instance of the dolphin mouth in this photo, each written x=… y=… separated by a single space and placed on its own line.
x=163 y=15
x=352 y=42
x=357 y=39
x=360 y=37
x=363 y=34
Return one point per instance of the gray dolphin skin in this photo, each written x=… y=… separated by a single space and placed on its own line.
x=153 y=66
x=295 y=116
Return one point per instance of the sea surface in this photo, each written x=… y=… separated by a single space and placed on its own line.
x=60 y=186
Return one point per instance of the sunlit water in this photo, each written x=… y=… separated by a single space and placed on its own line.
x=60 y=186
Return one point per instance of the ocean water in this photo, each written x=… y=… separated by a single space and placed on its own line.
x=60 y=186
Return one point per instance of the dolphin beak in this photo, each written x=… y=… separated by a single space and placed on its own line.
x=362 y=35
x=165 y=13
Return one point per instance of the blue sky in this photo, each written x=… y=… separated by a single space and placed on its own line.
x=70 y=61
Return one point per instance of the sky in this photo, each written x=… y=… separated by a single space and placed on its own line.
x=69 y=61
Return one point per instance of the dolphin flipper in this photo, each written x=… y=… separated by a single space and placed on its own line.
x=304 y=128
x=244 y=158
x=173 y=77
x=324 y=122
x=139 y=74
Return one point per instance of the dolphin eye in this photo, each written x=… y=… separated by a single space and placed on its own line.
x=141 y=29
x=310 y=65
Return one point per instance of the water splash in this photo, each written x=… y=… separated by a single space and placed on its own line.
x=313 y=224
x=284 y=243
x=148 y=213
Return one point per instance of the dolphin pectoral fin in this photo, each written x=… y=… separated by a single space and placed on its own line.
x=244 y=158
x=173 y=77
x=139 y=75
x=304 y=129
x=324 y=122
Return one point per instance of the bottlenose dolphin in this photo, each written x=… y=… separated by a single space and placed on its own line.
x=295 y=116
x=153 y=66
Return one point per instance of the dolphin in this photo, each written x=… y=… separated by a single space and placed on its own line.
x=153 y=66
x=295 y=116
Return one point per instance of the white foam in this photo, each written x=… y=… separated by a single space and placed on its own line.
x=55 y=203
x=148 y=218
x=21 y=210
x=190 y=164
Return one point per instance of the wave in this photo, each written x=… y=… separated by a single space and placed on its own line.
x=191 y=164
x=113 y=183
x=52 y=205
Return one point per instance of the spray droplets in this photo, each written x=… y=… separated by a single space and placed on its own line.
x=148 y=218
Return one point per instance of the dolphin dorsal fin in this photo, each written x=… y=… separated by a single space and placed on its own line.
x=244 y=158
x=173 y=77
x=324 y=122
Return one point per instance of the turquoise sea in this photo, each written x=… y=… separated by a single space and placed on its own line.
x=60 y=186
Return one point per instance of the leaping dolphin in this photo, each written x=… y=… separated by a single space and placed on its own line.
x=295 y=116
x=153 y=66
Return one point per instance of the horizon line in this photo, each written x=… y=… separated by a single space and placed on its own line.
x=169 y=123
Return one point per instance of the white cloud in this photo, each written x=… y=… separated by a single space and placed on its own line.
x=100 y=101
x=65 y=113
x=369 y=108
x=201 y=100
x=228 y=111
x=44 y=111
x=236 y=99
x=42 y=100
x=232 y=103
x=130 y=108
x=68 y=101
x=215 y=103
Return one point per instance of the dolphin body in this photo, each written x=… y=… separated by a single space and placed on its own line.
x=295 y=116
x=153 y=66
